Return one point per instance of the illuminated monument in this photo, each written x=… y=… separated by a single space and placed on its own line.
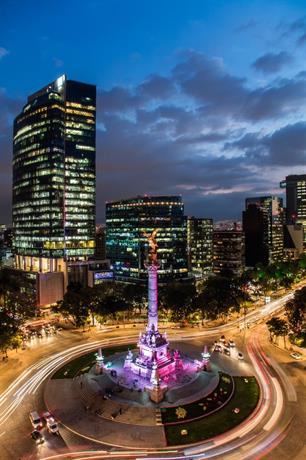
x=156 y=368
x=156 y=365
x=155 y=359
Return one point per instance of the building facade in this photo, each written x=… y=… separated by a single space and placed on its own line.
x=127 y=223
x=200 y=246
x=255 y=225
x=228 y=252
x=54 y=177
x=100 y=242
x=263 y=225
x=293 y=241
x=295 y=186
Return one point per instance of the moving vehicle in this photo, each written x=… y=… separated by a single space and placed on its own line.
x=38 y=437
x=36 y=420
x=227 y=351
x=52 y=425
x=296 y=355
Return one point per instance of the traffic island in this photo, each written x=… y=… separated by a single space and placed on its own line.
x=243 y=402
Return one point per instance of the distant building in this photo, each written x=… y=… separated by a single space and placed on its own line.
x=100 y=242
x=200 y=246
x=263 y=222
x=6 y=254
x=296 y=200
x=229 y=252
x=127 y=222
x=293 y=241
x=54 y=181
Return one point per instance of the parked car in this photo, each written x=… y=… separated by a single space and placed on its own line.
x=232 y=343
x=217 y=348
x=222 y=338
x=240 y=355
x=38 y=437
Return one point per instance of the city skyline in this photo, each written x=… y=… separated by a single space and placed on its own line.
x=178 y=110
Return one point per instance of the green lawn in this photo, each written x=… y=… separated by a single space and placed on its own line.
x=245 y=397
x=83 y=363
x=202 y=406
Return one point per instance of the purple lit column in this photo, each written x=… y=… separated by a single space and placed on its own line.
x=152 y=297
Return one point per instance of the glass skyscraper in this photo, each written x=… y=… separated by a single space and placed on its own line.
x=127 y=221
x=200 y=246
x=296 y=200
x=263 y=224
x=54 y=177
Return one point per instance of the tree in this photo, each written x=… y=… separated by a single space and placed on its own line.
x=135 y=295
x=277 y=327
x=296 y=310
x=176 y=300
x=220 y=295
x=73 y=307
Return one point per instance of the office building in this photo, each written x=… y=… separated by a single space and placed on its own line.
x=100 y=242
x=293 y=241
x=255 y=225
x=127 y=223
x=295 y=186
x=54 y=178
x=228 y=252
x=263 y=225
x=200 y=246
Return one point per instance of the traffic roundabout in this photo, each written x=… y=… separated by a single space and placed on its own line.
x=95 y=406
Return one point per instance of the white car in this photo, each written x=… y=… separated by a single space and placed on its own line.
x=240 y=355
x=296 y=355
x=51 y=423
x=231 y=343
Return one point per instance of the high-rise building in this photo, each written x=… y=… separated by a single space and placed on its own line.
x=200 y=246
x=293 y=241
x=100 y=242
x=54 y=177
x=255 y=224
x=263 y=225
x=296 y=200
x=127 y=223
x=228 y=252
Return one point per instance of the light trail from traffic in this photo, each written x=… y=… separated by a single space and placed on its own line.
x=29 y=381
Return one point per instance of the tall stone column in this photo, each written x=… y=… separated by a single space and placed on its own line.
x=152 y=297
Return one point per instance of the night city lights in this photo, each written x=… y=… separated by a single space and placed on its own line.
x=153 y=230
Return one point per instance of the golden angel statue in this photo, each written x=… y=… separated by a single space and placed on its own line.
x=153 y=245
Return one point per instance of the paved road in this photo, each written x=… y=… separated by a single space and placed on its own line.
x=23 y=393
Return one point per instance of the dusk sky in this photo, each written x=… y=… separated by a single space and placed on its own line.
x=203 y=98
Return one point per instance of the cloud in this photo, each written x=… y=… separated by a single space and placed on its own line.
x=284 y=147
x=246 y=26
x=272 y=62
x=156 y=87
x=302 y=39
x=296 y=28
x=199 y=130
x=275 y=101
x=3 y=52
x=58 y=62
